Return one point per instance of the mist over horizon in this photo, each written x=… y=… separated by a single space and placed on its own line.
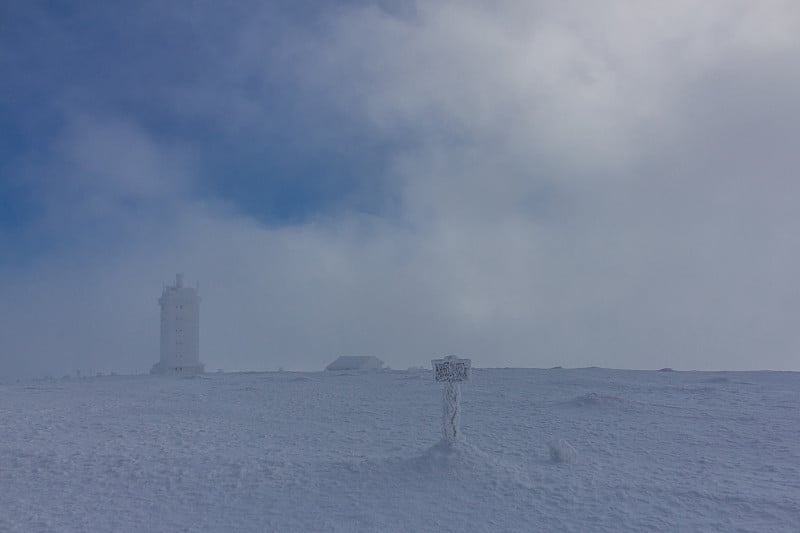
x=527 y=184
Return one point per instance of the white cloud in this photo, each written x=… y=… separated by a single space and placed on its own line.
x=580 y=184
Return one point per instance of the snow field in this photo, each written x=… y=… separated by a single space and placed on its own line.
x=355 y=451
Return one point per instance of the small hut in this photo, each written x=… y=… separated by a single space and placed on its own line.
x=356 y=362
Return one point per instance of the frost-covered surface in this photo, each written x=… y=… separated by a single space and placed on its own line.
x=676 y=451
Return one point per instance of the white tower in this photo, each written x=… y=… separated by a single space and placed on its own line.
x=180 y=330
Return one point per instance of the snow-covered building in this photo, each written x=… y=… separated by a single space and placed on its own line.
x=356 y=362
x=180 y=330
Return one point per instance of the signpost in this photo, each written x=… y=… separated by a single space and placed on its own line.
x=451 y=371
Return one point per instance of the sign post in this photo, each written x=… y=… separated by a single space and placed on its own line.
x=451 y=371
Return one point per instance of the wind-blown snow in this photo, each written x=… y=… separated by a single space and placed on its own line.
x=562 y=451
x=361 y=452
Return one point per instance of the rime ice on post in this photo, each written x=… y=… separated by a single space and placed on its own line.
x=451 y=371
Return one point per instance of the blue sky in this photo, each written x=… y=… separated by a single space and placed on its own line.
x=525 y=183
x=139 y=63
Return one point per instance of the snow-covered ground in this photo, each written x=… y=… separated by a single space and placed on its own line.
x=545 y=450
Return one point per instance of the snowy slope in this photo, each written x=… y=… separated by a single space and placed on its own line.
x=678 y=451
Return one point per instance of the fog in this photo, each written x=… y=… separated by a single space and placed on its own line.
x=525 y=184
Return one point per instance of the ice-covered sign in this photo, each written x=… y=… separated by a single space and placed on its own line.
x=451 y=369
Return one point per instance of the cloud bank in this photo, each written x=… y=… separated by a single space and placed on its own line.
x=527 y=184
